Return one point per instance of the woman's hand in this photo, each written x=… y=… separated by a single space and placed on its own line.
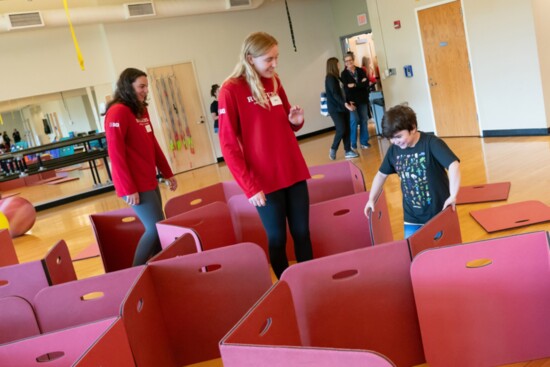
x=296 y=115
x=350 y=106
x=258 y=199
x=172 y=183
x=132 y=199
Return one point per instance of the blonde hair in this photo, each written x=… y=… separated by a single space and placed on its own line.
x=255 y=44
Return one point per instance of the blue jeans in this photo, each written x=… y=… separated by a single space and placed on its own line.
x=361 y=116
x=410 y=228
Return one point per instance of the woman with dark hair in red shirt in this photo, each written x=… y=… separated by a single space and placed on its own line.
x=256 y=128
x=135 y=156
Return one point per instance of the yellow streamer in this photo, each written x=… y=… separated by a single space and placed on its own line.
x=78 y=53
x=1 y=120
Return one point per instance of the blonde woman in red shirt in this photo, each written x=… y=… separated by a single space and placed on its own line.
x=256 y=129
x=135 y=156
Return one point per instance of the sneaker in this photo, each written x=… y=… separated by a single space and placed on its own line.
x=332 y=154
x=367 y=146
x=351 y=154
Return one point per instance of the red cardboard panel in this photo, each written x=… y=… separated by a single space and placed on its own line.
x=63 y=348
x=484 y=303
x=117 y=234
x=181 y=307
x=334 y=180
x=441 y=230
x=17 y=320
x=88 y=299
x=183 y=245
x=379 y=221
x=211 y=223
x=359 y=301
x=483 y=193
x=222 y=192
x=8 y=256
x=339 y=225
x=512 y=215
x=58 y=264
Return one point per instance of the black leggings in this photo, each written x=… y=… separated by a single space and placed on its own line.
x=341 y=122
x=290 y=203
x=149 y=211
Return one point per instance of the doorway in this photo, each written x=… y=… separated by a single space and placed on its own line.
x=448 y=70
x=181 y=117
x=362 y=46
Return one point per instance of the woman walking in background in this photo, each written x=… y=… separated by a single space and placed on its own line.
x=257 y=125
x=338 y=110
x=135 y=156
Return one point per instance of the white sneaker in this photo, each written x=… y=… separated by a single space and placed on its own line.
x=351 y=154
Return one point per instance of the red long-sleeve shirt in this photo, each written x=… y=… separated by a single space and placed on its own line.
x=258 y=144
x=134 y=151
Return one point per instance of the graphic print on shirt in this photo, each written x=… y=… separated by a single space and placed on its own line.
x=411 y=169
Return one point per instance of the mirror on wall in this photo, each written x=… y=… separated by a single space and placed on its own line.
x=51 y=117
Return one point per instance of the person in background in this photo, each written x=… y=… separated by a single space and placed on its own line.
x=135 y=156
x=338 y=110
x=7 y=141
x=356 y=86
x=257 y=125
x=369 y=70
x=214 y=90
x=16 y=136
x=429 y=171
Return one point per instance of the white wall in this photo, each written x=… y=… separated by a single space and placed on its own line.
x=541 y=12
x=44 y=61
x=503 y=54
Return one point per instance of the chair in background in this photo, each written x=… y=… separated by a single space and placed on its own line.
x=117 y=234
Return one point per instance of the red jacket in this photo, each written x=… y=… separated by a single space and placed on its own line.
x=258 y=144
x=134 y=151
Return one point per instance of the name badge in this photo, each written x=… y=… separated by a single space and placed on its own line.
x=275 y=100
x=148 y=128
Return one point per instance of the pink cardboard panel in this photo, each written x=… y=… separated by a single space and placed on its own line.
x=360 y=300
x=59 y=349
x=58 y=264
x=512 y=215
x=8 y=256
x=441 y=230
x=88 y=299
x=483 y=193
x=183 y=306
x=24 y=280
x=339 y=225
x=249 y=228
x=195 y=199
x=17 y=320
x=168 y=233
x=253 y=356
x=334 y=180
x=211 y=222
x=184 y=245
x=484 y=303
x=117 y=234
x=379 y=221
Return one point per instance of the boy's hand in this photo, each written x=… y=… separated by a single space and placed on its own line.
x=450 y=201
x=369 y=208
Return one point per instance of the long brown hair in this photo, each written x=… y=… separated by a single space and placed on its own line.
x=255 y=44
x=125 y=92
x=332 y=67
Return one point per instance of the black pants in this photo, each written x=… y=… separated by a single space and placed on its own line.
x=149 y=212
x=292 y=204
x=341 y=122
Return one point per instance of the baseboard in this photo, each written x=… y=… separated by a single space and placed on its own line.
x=515 y=132
x=69 y=199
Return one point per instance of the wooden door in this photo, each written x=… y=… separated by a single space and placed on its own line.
x=448 y=67
x=181 y=118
